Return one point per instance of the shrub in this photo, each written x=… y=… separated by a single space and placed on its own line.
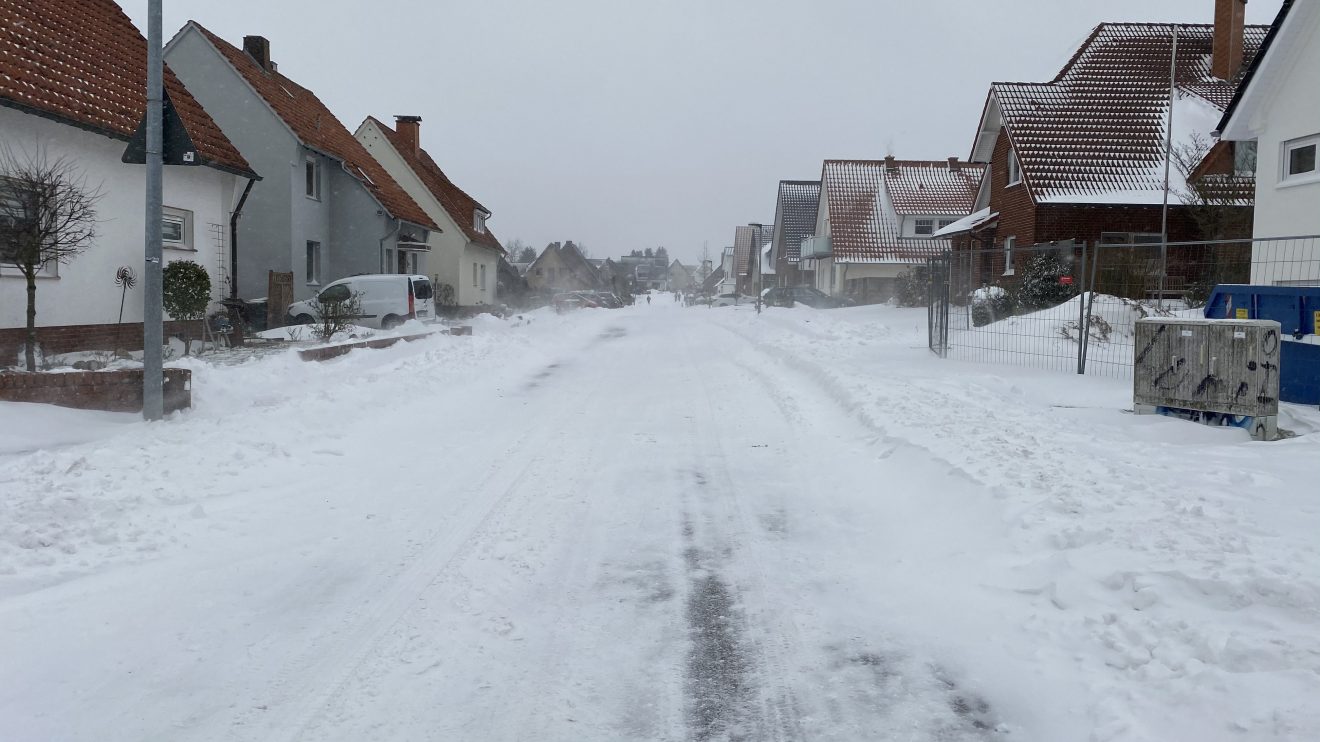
x=991 y=304
x=1039 y=286
x=186 y=292
x=914 y=287
x=337 y=314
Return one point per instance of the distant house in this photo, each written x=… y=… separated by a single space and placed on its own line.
x=562 y=267
x=73 y=87
x=795 y=220
x=680 y=277
x=1277 y=107
x=877 y=220
x=326 y=208
x=749 y=242
x=728 y=272
x=1081 y=158
x=463 y=253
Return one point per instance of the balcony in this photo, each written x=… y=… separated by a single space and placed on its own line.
x=816 y=247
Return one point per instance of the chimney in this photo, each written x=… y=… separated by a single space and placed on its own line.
x=410 y=128
x=953 y=164
x=258 y=47
x=1230 y=16
x=889 y=163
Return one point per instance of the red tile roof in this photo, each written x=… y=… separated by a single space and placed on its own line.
x=316 y=127
x=1099 y=127
x=460 y=206
x=84 y=63
x=862 y=229
x=743 y=237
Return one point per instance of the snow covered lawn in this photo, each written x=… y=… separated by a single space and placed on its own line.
x=656 y=523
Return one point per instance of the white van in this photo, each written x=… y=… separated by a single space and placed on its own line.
x=387 y=300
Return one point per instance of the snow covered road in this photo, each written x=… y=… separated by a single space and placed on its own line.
x=646 y=524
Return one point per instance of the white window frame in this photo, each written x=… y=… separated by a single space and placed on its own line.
x=314 y=163
x=50 y=270
x=483 y=276
x=1009 y=244
x=474 y=276
x=1014 y=168
x=917 y=225
x=479 y=222
x=184 y=218
x=315 y=263
x=1286 y=176
x=945 y=223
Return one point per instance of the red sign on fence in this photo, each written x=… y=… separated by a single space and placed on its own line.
x=1065 y=280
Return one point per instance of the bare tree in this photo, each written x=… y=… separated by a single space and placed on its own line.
x=1219 y=203
x=47 y=217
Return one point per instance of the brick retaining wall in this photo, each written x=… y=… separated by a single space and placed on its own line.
x=113 y=391
x=73 y=338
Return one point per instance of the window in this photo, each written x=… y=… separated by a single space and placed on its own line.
x=15 y=217
x=483 y=278
x=312 y=172
x=313 y=262
x=176 y=229
x=946 y=222
x=1008 y=255
x=1014 y=168
x=1299 y=158
x=474 y=276
x=479 y=221
x=925 y=226
x=337 y=293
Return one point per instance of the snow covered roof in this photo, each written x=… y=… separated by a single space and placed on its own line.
x=83 y=62
x=862 y=229
x=939 y=188
x=796 y=207
x=743 y=237
x=968 y=223
x=1096 y=133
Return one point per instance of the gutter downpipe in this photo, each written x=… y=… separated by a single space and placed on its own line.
x=233 y=239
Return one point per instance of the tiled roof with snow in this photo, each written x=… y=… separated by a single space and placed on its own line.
x=1099 y=127
x=743 y=237
x=83 y=62
x=798 y=200
x=937 y=188
x=861 y=230
x=461 y=207
x=316 y=127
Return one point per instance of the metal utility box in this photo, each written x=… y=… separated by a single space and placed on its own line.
x=1223 y=372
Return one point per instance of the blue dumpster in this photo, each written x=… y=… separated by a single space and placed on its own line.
x=1297 y=310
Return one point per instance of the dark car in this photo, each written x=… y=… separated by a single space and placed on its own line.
x=787 y=296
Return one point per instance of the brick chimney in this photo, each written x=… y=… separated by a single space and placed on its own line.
x=953 y=164
x=1230 y=17
x=258 y=47
x=889 y=163
x=410 y=128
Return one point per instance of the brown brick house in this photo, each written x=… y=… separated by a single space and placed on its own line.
x=795 y=220
x=1081 y=158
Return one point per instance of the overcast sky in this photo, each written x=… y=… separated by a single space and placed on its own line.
x=624 y=124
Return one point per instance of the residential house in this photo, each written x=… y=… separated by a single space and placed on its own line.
x=728 y=272
x=876 y=220
x=73 y=88
x=749 y=261
x=562 y=267
x=795 y=220
x=680 y=277
x=1277 y=107
x=463 y=253
x=325 y=208
x=1082 y=158
x=647 y=272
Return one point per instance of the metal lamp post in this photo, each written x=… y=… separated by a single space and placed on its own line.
x=756 y=250
x=153 y=403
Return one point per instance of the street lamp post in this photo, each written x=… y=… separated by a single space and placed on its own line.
x=152 y=329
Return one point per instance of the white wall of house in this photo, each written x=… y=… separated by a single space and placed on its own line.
x=452 y=256
x=83 y=292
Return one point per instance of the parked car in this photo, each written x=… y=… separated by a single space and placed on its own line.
x=385 y=300
x=566 y=301
x=786 y=296
x=726 y=300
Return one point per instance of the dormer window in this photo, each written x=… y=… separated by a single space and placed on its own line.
x=925 y=227
x=1014 y=168
x=312 y=177
x=479 y=221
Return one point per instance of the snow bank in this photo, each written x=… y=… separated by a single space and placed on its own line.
x=1163 y=578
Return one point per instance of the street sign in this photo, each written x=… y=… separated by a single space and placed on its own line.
x=177 y=146
x=1065 y=280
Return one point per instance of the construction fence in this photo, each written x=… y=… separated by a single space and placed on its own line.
x=1073 y=306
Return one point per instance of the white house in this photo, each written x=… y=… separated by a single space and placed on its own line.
x=463 y=252
x=78 y=93
x=1278 y=107
x=877 y=219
